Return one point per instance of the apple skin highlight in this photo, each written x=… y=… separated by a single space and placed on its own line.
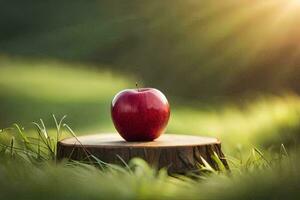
x=140 y=114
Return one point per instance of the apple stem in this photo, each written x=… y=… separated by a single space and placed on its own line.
x=137 y=86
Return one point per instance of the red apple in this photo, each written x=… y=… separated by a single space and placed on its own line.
x=140 y=114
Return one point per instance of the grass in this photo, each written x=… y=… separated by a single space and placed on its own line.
x=252 y=134
x=80 y=181
x=257 y=122
x=24 y=175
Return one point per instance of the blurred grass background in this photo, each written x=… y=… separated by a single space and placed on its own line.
x=201 y=50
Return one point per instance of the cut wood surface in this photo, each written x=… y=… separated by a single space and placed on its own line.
x=176 y=153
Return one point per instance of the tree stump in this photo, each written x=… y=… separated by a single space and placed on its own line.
x=176 y=153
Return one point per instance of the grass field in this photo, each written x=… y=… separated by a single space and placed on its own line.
x=34 y=89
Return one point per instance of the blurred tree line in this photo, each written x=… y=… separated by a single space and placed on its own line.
x=191 y=48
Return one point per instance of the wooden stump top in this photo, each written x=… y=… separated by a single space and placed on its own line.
x=112 y=140
x=177 y=153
